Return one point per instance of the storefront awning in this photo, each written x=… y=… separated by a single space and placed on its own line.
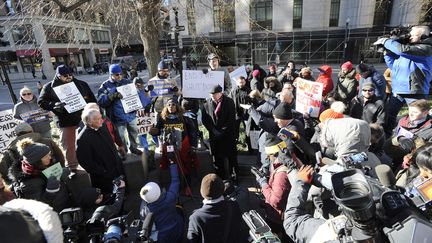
x=63 y=51
x=28 y=53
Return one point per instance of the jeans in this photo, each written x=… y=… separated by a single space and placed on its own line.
x=394 y=105
x=67 y=142
x=132 y=131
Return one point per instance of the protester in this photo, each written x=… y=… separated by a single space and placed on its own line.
x=240 y=96
x=109 y=98
x=214 y=64
x=272 y=86
x=218 y=117
x=272 y=71
x=325 y=77
x=346 y=87
x=255 y=83
x=218 y=220
x=306 y=73
x=289 y=74
x=146 y=101
x=163 y=73
x=368 y=106
x=96 y=152
x=28 y=106
x=68 y=122
x=368 y=74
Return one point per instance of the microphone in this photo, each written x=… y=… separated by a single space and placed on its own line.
x=386 y=176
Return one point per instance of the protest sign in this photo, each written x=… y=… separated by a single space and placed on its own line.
x=69 y=94
x=7 y=129
x=196 y=84
x=234 y=75
x=308 y=97
x=34 y=116
x=130 y=101
x=55 y=170
x=145 y=121
x=162 y=87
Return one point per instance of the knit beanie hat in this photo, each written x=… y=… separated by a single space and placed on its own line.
x=150 y=192
x=283 y=111
x=330 y=114
x=212 y=187
x=255 y=73
x=115 y=68
x=347 y=65
x=63 y=70
x=23 y=128
x=31 y=151
x=162 y=65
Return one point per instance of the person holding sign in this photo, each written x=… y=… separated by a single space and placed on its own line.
x=214 y=63
x=30 y=181
x=68 y=122
x=110 y=98
x=29 y=111
x=164 y=87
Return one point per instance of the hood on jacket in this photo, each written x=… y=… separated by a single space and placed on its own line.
x=346 y=136
x=326 y=69
x=277 y=85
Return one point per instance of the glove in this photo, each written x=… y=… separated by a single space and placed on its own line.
x=406 y=144
x=59 y=107
x=53 y=185
x=175 y=89
x=380 y=41
x=305 y=174
x=115 y=96
x=205 y=70
x=261 y=181
x=149 y=88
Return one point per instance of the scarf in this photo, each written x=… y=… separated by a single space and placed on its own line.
x=218 y=109
x=415 y=123
x=29 y=169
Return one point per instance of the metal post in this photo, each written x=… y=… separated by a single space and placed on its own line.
x=8 y=83
x=345 y=39
x=179 y=49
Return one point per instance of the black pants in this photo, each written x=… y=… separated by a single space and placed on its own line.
x=221 y=150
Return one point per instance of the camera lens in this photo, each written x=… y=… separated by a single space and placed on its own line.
x=353 y=190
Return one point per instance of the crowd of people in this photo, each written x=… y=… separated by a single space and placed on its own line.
x=297 y=151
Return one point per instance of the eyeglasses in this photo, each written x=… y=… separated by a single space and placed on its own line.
x=25 y=94
x=368 y=90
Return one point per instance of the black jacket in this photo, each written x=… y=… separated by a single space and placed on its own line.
x=240 y=96
x=371 y=111
x=222 y=126
x=48 y=98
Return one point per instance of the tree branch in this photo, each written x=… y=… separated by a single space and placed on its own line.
x=65 y=9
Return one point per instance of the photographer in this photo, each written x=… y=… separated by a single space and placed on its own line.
x=410 y=61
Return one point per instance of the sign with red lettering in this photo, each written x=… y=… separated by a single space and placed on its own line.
x=308 y=97
x=145 y=121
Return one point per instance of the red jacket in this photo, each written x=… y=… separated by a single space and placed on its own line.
x=326 y=79
x=276 y=192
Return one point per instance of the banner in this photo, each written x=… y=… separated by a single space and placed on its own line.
x=145 y=121
x=234 y=75
x=34 y=116
x=308 y=97
x=162 y=87
x=130 y=101
x=69 y=94
x=7 y=129
x=196 y=84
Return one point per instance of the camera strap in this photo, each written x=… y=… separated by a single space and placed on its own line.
x=227 y=225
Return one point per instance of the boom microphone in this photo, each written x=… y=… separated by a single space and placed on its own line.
x=386 y=176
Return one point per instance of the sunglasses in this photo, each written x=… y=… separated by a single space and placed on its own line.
x=25 y=94
x=368 y=90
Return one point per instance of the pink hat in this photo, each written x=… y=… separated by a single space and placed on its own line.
x=347 y=65
x=255 y=73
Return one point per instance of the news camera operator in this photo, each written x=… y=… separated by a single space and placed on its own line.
x=410 y=61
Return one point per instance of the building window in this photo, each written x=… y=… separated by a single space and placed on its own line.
x=100 y=37
x=297 y=13
x=81 y=36
x=23 y=35
x=57 y=34
x=224 y=15
x=191 y=17
x=334 y=13
x=383 y=9
x=261 y=13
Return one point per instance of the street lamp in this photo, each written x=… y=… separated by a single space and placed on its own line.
x=346 y=38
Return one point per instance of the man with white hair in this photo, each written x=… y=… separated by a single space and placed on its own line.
x=96 y=151
x=411 y=67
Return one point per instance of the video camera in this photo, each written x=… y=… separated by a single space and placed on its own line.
x=256 y=172
x=71 y=218
x=400 y=34
x=421 y=196
x=259 y=229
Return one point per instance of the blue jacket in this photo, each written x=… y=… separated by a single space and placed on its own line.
x=411 y=66
x=169 y=223
x=376 y=78
x=114 y=109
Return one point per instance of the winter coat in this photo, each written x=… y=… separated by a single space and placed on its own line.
x=346 y=87
x=287 y=78
x=371 y=111
x=169 y=223
x=422 y=130
x=377 y=79
x=48 y=98
x=276 y=192
x=269 y=93
x=34 y=187
x=208 y=223
x=255 y=84
x=97 y=154
x=411 y=66
x=41 y=126
x=240 y=96
x=326 y=79
x=222 y=126
x=11 y=154
x=114 y=109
